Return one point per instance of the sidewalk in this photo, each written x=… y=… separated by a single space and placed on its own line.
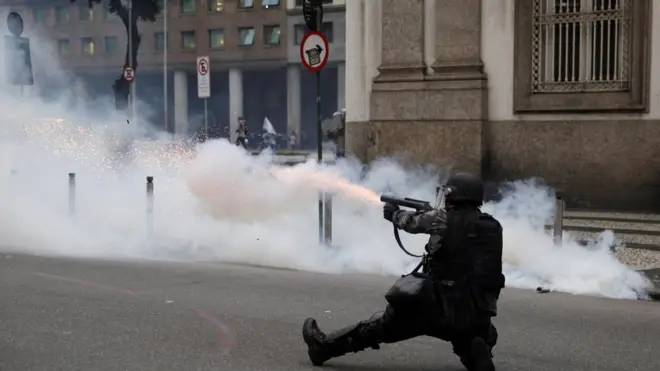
x=654 y=276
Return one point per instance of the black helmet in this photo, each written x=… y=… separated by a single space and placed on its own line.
x=464 y=188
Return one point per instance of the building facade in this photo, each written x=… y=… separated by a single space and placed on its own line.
x=249 y=43
x=566 y=90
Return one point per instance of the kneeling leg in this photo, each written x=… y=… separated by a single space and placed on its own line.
x=475 y=348
x=385 y=327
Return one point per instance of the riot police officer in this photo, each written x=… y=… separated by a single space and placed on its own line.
x=465 y=265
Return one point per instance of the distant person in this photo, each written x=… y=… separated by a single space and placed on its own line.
x=334 y=131
x=242 y=133
x=293 y=140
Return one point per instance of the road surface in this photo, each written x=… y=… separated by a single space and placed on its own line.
x=69 y=315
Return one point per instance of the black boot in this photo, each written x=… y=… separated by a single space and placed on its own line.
x=481 y=357
x=322 y=347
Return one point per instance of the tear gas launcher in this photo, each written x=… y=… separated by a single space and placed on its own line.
x=411 y=203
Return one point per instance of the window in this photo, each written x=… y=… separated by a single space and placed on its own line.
x=161 y=6
x=106 y=13
x=63 y=46
x=245 y=4
x=187 y=6
x=159 y=41
x=216 y=39
x=300 y=30
x=272 y=35
x=328 y=30
x=62 y=14
x=246 y=36
x=578 y=48
x=87 y=46
x=188 y=40
x=85 y=13
x=270 y=3
x=216 y=5
x=110 y=44
x=40 y=16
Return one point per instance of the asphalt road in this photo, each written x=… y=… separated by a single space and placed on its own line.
x=69 y=315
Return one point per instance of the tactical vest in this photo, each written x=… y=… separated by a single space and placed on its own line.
x=470 y=251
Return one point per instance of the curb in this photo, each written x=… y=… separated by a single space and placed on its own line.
x=653 y=275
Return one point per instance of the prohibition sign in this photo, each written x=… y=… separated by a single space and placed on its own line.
x=203 y=67
x=129 y=75
x=314 y=51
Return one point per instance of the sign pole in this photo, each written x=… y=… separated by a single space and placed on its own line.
x=319 y=131
x=314 y=52
x=131 y=87
x=204 y=88
x=206 y=119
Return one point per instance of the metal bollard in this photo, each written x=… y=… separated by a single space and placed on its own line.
x=150 y=206
x=321 y=223
x=327 y=218
x=560 y=205
x=72 y=194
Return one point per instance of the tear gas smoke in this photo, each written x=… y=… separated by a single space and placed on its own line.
x=215 y=202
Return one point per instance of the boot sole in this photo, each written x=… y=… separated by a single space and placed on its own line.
x=308 y=325
x=482 y=360
x=307 y=330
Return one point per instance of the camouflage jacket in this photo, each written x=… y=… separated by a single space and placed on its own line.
x=432 y=222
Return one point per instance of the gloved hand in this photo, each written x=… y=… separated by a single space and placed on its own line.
x=388 y=211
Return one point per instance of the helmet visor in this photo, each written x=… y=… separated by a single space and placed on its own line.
x=441 y=193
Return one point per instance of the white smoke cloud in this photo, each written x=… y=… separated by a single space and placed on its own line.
x=215 y=202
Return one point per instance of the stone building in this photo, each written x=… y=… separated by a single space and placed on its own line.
x=566 y=90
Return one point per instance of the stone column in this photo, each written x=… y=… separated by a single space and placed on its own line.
x=458 y=38
x=235 y=101
x=341 y=86
x=180 y=103
x=355 y=67
x=458 y=74
x=373 y=19
x=429 y=113
x=293 y=100
x=356 y=96
x=402 y=39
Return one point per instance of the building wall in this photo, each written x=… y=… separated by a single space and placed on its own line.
x=601 y=159
x=201 y=21
x=450 y=91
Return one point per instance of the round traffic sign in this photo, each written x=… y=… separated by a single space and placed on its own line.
x=15 y=24
x=314 y=51
x=129 y=74
x=203 y=66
